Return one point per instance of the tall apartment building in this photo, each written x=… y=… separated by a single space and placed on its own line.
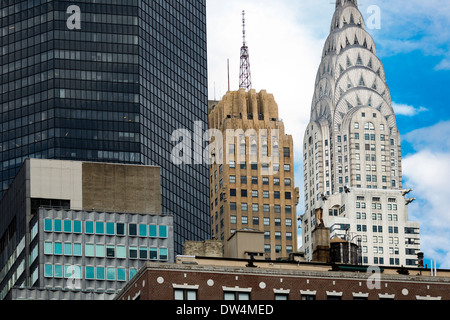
x=109 y=85
x=352 y=151
x=72 y=230
x=252 y=177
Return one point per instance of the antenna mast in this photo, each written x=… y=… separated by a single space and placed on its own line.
x=245 y=78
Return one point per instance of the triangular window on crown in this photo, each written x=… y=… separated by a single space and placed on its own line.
x=369 y=65
x=349 y=84
x=349 y=106
x=358 y=101
x=359 y=60
x=349 y=64
x=356 y=40
x=352 y=20
x=374 y=85
x=361 y=82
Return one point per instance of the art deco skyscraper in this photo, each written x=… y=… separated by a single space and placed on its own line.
x=252 y=180
x=352 y=152
x=112 y=87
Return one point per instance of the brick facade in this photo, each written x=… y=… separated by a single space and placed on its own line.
x=158 y=281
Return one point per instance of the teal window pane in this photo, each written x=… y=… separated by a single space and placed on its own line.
x=120 y=252
x=121 y=274
x=99 y=228
x=77 y=272
x=90 y=273
x=48 y=225
x=100 y=273
x=58 y=248
x=110 y=274
x=142 y=230
x=163 y=231
x=58 y=271
x=89 y=250
x=77 y=249
x=163 y=253
x=132 y=273
x=73 y=272
x=48 y=248
x=133 y=252
x=67 y=249
x=48 y=270
x=77 y=226
x=132 y=229
x=68 y=270
x=142 y=253
x=152 y=231
x=153 y=253
x=110 y=228
x=100 y=250
x=89 y=227
x=67 y=226
x=58 y=225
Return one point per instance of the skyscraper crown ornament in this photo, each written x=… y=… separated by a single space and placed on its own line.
x=352 y=146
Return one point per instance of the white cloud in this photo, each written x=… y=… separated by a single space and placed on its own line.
x=407 y=110
x=443 y=65
x=435 y=138
x=428 y=173
x=418 y=26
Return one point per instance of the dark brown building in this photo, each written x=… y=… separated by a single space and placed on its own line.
x=196 y=278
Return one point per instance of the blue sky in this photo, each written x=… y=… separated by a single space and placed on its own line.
x=286 y=38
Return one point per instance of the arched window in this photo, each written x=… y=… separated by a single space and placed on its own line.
x=369 y=126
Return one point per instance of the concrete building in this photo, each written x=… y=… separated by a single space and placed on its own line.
x=352 y=151
x=203 y=278
x=252 y=172
x=80 y=230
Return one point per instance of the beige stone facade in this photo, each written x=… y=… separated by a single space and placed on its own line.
x=252 y=177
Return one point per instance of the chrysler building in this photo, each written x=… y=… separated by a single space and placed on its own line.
x=352 y=152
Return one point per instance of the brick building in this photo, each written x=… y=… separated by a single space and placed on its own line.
x=196 y=278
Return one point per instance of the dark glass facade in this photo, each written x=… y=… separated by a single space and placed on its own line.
x=113 y=91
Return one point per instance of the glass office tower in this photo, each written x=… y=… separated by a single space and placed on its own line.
x=113 y=89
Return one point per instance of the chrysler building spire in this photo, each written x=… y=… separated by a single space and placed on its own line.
x=245 y=78
x=343 y=2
